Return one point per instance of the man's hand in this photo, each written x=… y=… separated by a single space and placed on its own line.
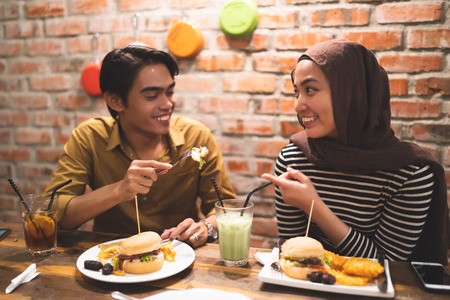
x=139 y=178
x=194 y=234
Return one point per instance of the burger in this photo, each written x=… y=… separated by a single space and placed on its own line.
x=141 y=253
x=301 y=256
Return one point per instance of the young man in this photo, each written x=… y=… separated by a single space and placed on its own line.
x=131 y=154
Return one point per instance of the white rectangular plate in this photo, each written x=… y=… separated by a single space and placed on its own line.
x=269 y=276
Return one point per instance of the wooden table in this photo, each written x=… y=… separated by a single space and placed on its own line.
x=60 y=279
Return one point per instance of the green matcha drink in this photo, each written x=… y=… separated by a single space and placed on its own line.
x=234 y=224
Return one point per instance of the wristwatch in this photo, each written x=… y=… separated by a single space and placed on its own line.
x=212 y=231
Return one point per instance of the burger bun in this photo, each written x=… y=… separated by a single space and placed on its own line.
x=142 y=267
x=300 y=248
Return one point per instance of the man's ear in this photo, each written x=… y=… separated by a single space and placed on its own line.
x=113 y=101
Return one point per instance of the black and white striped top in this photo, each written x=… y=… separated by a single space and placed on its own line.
x=383 y=209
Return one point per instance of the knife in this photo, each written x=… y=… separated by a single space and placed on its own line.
x=381 y=279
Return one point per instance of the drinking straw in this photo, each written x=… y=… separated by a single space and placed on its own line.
x=11 y=182
x=309 y=219
x=52 y=197
x=137 y=214
x=253 y=191
x=217 y=191
x=16 y=189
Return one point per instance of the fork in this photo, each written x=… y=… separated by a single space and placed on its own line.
x=276 y=264
x=186 y=154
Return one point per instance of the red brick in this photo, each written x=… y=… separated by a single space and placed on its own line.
x=269 y=147
x=378 y=40
x=106 y=24
x=90 y=6
x=160 y=23
x=13 y=118
x=139 y=5
x=73 y=101
x=274 y=62
x=2 y=67
x=231 y=146
x=412 y=12
x=15 y=155
x=9 y=11
x=30 y=136
x=264 y=166
x=221 y=62
x=62 y=136
x=411 y=63
x=199 y=83
x=48 y=155
x=288 y=128
x=10 y=48
x=31 y=100
x=238 y=166
x=223 y=105
x=40 y=9
x=340 y=17
x=398 y=86
x=266 y=106
x=65 y=26
x=8 y=203
x=287 y=106
x=254 y=83
x=53 y=119
x=416 y=109
x=34 y=171
x=256 y=126
x=264 y=209
x=24 y=29
x=52 y=47
x=67 y=65
x=153 y=41
x=191 y=3
x=50 y=82
x=254 y=42
x=85 y=44
x=3 y=101
x=5 y=136
x=288 y=87
x=27 y=66
x=447 y=156
x=431 y=38
x=277 y=19
x=433 y=85
x=430 y=132
x=297 y=40
x=265 y=226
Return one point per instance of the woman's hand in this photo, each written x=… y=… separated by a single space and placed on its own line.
x=296 y=188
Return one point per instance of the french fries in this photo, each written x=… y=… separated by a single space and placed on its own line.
x=169 y=253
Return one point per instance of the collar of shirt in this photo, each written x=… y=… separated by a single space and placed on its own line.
x=175 y=139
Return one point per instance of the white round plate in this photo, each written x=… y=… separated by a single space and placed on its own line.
x=198 y=294
x=184 y=257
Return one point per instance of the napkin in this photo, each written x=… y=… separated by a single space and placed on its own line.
x=26 y=276
x=266 y=257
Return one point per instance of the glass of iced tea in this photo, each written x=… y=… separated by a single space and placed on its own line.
x=39 y=224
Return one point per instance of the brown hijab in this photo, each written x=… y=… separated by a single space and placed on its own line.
x=361 y=108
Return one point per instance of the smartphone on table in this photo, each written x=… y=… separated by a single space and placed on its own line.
x=434 y=276
x=4 y=232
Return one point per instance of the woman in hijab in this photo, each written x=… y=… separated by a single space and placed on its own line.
x=371 y=191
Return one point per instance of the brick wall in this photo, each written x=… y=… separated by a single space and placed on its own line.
x=238 y=88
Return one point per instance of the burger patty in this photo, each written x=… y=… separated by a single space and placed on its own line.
x=310 y=261
x=137 y=256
